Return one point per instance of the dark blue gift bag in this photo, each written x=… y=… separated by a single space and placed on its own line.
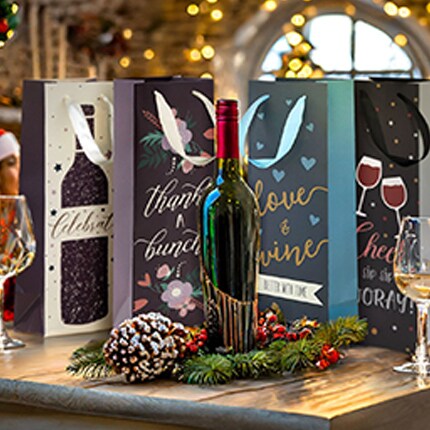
x=301 y=166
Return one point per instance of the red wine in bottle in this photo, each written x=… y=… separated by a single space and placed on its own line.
x=230 y=240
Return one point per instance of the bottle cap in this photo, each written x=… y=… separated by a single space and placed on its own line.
x=227 y=110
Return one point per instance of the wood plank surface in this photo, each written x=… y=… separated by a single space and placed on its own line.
x=363 y=385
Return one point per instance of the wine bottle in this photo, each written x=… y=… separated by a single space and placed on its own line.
x=230 y=240
x=84 y=262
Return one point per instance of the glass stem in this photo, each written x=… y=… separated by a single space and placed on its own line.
x=363 y=194
x=422 y=334
x=399 y=221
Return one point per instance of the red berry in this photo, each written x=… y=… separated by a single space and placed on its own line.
x=322 y=364
x=261 y=336
x=193 y=348
x=204 y=332
x=203 y=337
x=278 y=336
x=305 y=333
x=261 y=321
x=200 y=343
x=4 y=26
x=332 y=355
x=325 y=348
x=272 y=318
x=279 y=328
x=292 y=336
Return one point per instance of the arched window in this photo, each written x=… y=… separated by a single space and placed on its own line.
x=365 y=42
x=347 y=48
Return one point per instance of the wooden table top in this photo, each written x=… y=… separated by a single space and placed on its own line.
x=361 y=390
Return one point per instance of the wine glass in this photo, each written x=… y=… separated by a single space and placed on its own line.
x=368 y=175
x=17 y=250
x=412 y=276
x=394 y=194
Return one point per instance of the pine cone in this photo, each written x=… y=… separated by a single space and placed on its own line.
x=145 y=346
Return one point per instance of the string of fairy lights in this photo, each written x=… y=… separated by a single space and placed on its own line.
x=205 y=14
x=9 y=20
x=209 y=13
x=297 y=62
x=421 y=11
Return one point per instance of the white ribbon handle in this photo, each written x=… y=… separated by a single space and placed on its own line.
x=83 y=132
x=208 y=105
x=170 y=128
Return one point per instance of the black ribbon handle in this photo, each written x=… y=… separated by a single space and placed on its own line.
x=377 y=134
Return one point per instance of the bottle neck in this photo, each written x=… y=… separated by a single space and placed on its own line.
x=228 y=148
x=229 y=167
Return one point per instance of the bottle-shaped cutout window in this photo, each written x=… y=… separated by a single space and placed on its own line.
x=84 y=262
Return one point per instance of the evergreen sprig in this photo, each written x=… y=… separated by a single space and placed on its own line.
x=299 y=355
x=89 y=361
x=281 y=356
x=342 y=332
x=253 y=365
x=211 y=369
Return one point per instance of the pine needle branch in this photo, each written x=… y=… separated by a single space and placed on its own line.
x=89 y=362
x=342 y=332
x=254 y=364
x=208 y=370
x=299 y=355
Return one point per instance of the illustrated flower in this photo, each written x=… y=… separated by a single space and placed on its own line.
x=186 y=135
x=177 y=294
x=146 y=281
x=186 y=167
x=139 y=304
x=189 y=305
x=163 y=271
x=209 y=134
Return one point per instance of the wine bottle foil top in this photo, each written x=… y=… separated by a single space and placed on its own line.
x=227 y=110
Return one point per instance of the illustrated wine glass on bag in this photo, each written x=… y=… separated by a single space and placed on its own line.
x=17 y=251
x=368 y=175
x=394 y=194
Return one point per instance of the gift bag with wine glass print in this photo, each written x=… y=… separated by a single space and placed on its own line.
x=392 y=176
x=67 y=177
x=163 y=141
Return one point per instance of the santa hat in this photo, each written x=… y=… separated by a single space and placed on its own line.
x=8 y=144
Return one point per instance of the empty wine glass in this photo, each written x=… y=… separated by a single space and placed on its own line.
x=368 y=175
x=17 y=250
x=412 y=276
x=394 y=194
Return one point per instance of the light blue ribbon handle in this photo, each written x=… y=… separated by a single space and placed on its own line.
x=246 y=121
x=289 y=135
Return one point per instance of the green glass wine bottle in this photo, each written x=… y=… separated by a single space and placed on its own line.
x=230 y=240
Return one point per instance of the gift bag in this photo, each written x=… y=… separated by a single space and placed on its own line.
x=164 y=135
x=392 y=176
x=301 y=166
x=66 y=176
